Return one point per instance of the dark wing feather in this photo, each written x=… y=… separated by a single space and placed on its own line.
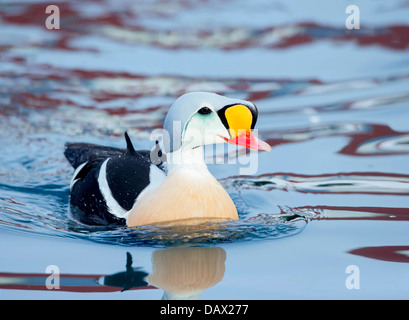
x=78 y=153
x=127 y=175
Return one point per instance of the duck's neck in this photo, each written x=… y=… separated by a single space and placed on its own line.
x=189 y=191
x=183 y=159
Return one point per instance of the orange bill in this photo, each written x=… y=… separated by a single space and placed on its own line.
x=239 y=119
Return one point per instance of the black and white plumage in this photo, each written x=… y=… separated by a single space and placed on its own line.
x=113 y=186
x=107 y=180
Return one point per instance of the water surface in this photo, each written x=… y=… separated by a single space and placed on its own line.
x=333 y=103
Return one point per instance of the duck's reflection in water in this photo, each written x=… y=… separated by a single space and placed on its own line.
x=131 y=278
x=184 y=273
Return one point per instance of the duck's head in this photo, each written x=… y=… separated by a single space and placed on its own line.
x=202 y=118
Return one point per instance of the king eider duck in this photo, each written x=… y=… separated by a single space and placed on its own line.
x=117 y=187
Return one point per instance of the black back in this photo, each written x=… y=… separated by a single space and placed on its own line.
x=127 y=174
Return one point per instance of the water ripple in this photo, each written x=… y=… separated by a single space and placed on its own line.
x=263 y=227
x=345 y=182
x=51 y=220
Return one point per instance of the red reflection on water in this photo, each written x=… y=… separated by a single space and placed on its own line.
x=37 y=281
x=124 y=17
x=377 y=131
x=384 y=253
x=361 y=136
x=393 y=37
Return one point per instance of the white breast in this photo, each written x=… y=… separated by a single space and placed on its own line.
x=184 y=194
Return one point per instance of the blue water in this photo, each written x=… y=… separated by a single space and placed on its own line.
x=332 y=193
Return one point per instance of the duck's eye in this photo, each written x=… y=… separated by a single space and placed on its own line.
x=205 y=110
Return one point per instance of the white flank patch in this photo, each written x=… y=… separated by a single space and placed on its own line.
x=113 y=206
x=79 y=168
x=156 y=177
